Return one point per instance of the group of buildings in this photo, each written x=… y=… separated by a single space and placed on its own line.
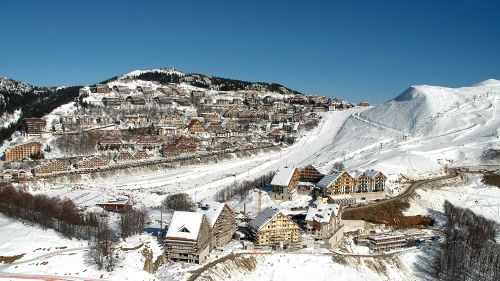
x=152 y=120
x=313 y=180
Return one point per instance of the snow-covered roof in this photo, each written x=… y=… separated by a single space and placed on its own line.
x=185 y=225
x=318 y=168
x=212 y=209
x=263 y=218
x=371 y=173
x=322 y=213
x=355 y=173
x=329 y=179
x=283 y=176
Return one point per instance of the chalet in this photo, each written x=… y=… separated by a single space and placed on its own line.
x=222 y=221
x=272 y=228
x=223 y=145
x=268 y=100
x=323 y=220
x=244 y=113
x=135 y=119
x=339 y=182
x=214 y=127
x=181 y=145
x=165 y=90
x=196 y=128
x=124 y=90
x=148 y=90
x=85 y=120
x=147 y=142
x=93 y=162
x=377 y=180
x=163 y=101
x=229 y=124
x=188 y=237
x=52 y=167
x=112 y=101
x=141 y=155
x=312 y=173
x=24 y=151
x=67 y=120
x=284 y=184
x=123 y=157
x=167 y=130
x=173 y=121
x=211 y=117
x=222 y=102
x=136 y=100
x=262 y=113
x=189 y=113
x=102 y=89
x=34 y=126
x=105 y=120
x=232 y=112
x=277 y=134
x=117 y=205
x=109 y=142
x=305 y=188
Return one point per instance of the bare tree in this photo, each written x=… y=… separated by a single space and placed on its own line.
x=179 y=202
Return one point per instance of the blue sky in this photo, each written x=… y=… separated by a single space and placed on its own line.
x=357 y=50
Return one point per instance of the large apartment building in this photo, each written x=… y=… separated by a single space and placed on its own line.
x=272 y=228
x=23 y=151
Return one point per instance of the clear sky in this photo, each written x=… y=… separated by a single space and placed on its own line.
x=357 y=50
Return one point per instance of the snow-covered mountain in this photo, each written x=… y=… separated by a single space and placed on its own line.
x=421 y=130
x=422 y=109
x=13 y=86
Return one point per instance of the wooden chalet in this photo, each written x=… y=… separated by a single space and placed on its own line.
x=124 y=157
x=112 y=101
x=136 y=100
x=147 y=142
x=272 y=228
x=222 y=221
x=118 y=206
x=312 y=173
x=188 y=237
x=339 y=182
x=284 y=184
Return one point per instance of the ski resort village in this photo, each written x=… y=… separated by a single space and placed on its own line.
x=164 y=175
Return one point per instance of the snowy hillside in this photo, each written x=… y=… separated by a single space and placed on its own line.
x=426 y=109
x=422 y=130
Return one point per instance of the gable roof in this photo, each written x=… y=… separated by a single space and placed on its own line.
x=185 y=225
x=322 y=213
x=318 y=168
x=283 y=176
x=329 y=179
x=212 y=209
x=263 y=218
x=372 y=173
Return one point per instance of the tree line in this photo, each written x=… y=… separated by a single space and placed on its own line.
x=242 y=189
x=470 y=251
x=63 y=215
x=35 y=103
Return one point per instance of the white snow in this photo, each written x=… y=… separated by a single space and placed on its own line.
x=185 y=225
